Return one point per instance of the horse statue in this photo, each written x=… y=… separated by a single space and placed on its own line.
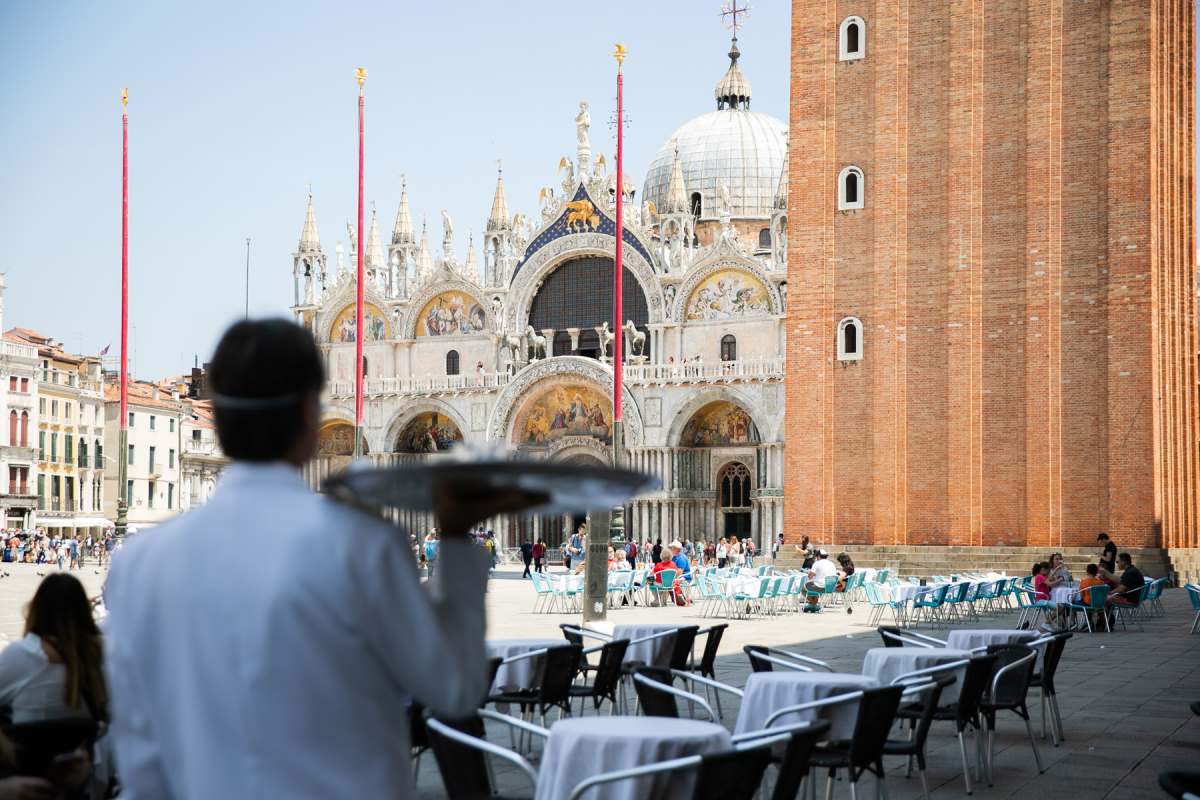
x=537 y=342
x=637 y=339
x=583 y=214
x=606 y=337
x=515 y=344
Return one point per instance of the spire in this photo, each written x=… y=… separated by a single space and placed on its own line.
x=498 y=219
x=310 y=242
x=373 y=258
x=402 y=231
x=424 y=258
x=781 y=191
x=472 y=267
x=677 y=200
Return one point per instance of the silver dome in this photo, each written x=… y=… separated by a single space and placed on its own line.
x=743 y=149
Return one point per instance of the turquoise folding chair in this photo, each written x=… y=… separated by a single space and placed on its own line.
x=1094 y=605
x=1154 y=607
x=664 y=583
x=543 y=595
x=1133 y=611
x=1193 y=592
x=931 y=603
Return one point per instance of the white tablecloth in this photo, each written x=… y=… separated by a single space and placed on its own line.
x=1062 y=594
x=768 y=692
x=743 y=584
x=654 y=653
x=519 y=674
x=585 y=746
x=886 y=664
x=969 y=639
x=907 y=591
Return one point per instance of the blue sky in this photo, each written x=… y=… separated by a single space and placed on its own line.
x=236 y=107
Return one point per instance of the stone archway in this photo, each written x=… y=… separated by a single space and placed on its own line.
x=336 y=438
x=735 y=482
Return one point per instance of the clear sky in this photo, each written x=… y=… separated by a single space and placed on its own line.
x=236 y=107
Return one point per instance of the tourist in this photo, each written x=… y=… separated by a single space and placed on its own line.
x=431 y=552
x=749 y=552
x=722 y=553
x=681 y=561
x=1038 y=573
x=1108 y=555
x=1129 y=585
x=805 y=551
x=489 y=544
x=710 y=553
x=539 y=556
x=577 y=548
x=734 y=552
x=526 y=556
x=233 y=678
x=1058 y=574
x=657 y=552
x=631 y=551
x=846 y=569
x=822 y=568
x=776 y=547
x=1085 y=597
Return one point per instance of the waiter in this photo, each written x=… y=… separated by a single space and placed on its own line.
x=235 y=677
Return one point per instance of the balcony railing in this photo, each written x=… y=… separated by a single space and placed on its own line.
x=424 y=384
x=201 y=448
x=18 y=350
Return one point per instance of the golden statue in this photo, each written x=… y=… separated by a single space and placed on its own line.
x=582 y=213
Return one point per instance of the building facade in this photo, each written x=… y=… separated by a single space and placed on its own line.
x=153 y=484
x=18 y=408
x=201 y=458
x=991 y=271
x=510 y=347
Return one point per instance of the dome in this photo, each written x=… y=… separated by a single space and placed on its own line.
x=741 y=148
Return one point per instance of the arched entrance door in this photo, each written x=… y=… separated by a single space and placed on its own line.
x=733 y=489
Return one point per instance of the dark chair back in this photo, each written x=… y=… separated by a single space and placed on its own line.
x=36 y=744
x=888 y=641
x=794 y=767
x=976 y=680
x=571 y=636
x=708 y=660
x=929 y=705
x=731 y=775
x=876 y=713
x=1050 y=658
x=418 y=734
x=464 y=769
x=655 y=702
x=559 y=667
x=757 y=664
x=681 y=654
x=608 y=670
x=493 y=666
x=1014 y=685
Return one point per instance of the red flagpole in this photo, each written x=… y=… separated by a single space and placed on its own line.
x=122 y=503
x=618 y=267
x=360 y=328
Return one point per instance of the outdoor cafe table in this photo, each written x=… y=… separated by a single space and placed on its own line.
x=768 y=692
x=1062 y=594
x=519 y=674
x=970 y=639
x=885 y=664
x=581 y=747
x=654 y=653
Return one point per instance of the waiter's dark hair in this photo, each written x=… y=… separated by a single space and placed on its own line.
x=261 y=373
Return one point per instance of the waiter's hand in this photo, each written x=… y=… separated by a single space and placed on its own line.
x=458 y=506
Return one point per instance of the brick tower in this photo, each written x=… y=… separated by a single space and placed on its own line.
x=991 y=274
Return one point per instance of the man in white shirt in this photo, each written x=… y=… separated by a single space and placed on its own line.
x=233 y=676
x=821 y=569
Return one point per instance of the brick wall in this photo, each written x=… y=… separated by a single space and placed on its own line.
x=1024 y=269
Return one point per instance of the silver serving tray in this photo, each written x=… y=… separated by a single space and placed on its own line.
x=571 y=489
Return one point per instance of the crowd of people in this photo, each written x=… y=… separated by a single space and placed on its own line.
x=61 y=551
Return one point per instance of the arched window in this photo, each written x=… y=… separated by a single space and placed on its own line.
x=452 y=362
x=850 y=339
x=735 y=486
x=852 y=39
x=851 y=189
x=764 y=239
x=728 y=347
x=24 y=429
x=98 y=456
x=697 y=205
x=83 y=461
x=14 y=436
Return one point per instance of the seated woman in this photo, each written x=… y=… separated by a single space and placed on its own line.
x=1041 y=590
x=668 y=562
x=847 y=569
x=1058 y=574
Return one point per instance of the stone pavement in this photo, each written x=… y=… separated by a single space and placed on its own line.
x=18 y=582
x=1124 y=697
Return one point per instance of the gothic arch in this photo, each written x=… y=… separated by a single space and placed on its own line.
x=408 y=323
x=566 y=248
x=500 y=424
x=344 y=295
x=709 y=267
x=716 y=394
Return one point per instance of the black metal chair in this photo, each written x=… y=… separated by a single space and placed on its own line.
x=460 y=748
x=864 y=751
x=965 y=712
x=914 y=746
x=685 y=640
x=765 y=659
x=1044 y=680
x=757 y=664
x=557 y=673
x=794 y=761
x=1009 y=688
x=707 y=665
x=657 y=694
x=607 y=681
x=901 y=637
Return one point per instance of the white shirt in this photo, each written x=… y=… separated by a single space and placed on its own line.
x=234 y=676
x=823 y=568
x=33 y=687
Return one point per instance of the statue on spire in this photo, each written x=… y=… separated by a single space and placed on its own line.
x=583 y=148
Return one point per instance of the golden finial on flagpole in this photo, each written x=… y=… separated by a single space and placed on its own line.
x=360 y=75
x=124 y=98
x=619 y=53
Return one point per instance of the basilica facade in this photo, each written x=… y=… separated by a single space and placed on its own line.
x=510 y=346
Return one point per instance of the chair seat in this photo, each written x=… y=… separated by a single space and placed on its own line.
x=830 y=755
x=517 y=696
x=582 y=690
x=899 y=747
